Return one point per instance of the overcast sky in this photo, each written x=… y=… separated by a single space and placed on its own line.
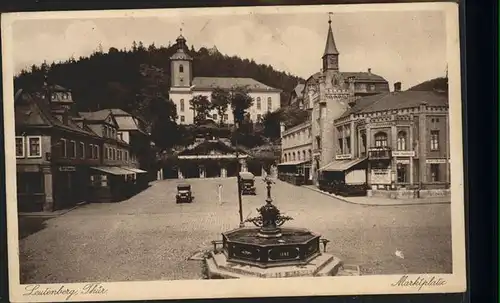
x=401 y=46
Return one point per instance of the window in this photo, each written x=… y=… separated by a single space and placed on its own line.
x=318 y=142
x=20 y=147
x=99 y=180
x=401 y=141
x=293 y=157
x=109 y=152
x=226 y=117
x=348 y=145
x=182 y=119
x=81 y=151
x=96 y=152
x=181 y=68
x=113 y=154
x=214 y=116
x=310 y=154
x=269 y=104
x=182 y=105
x=434 y=172
x=434 y=140
x=303 y=155
x=34 y=147
x=91 y=151
x=372 y=87
x=341 y=145
x=363 y=144
x=259 y=105
x=286 y=158
x=380 y=139
x=105 y=153
x=119 y=154
x=126 y=155
x=72 y=149
x=105 y=131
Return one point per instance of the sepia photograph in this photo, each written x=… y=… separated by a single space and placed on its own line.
x=170 y=153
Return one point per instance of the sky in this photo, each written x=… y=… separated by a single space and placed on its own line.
x=405 y=46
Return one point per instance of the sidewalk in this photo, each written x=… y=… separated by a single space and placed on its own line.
x=378 y=201
x=49 y=214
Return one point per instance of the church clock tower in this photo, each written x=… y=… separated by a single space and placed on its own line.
x=181 y=71
x=331 y=54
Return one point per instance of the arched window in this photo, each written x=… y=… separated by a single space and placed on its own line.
x=182 y=105
x=310 y=154
x=380 y=139
x=293 y=156
x=181 y=68
x=304 y=155
x=286 y=158
x=259 y=105
x=401 y=140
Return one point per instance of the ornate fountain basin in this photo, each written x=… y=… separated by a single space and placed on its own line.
x=295 y=247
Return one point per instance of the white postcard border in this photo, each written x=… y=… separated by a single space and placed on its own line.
x=184 y=289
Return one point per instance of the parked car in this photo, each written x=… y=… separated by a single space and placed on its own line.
x=184 y=194
x=247 y=183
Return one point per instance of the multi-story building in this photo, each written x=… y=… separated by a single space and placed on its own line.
x=184 y=86
x=54 y=152
x=327 y=95
x=64 y=157
x=398 y=140
x=296 y=154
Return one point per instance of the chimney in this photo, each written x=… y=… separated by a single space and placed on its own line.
x=397 y=86
x=369 y=70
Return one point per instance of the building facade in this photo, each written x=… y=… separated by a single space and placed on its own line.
x=184 y=86
x=64 y=157
x=327 y=95
x=402 y=141
x=296 y=154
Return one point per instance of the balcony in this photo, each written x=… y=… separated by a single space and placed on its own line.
x=379 y=153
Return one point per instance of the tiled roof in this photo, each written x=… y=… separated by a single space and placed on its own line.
x=358 y=76
x=36 y=112
x=126 y=123
x=397 y=100
x=100 y=115
x=208 y=83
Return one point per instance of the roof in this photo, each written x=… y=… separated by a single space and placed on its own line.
x=299 y=89
x=209 y=83
x=181 y=55
x=100 y=115
x=119 y=112
x=293 y=163
x=36 y=112
x=396 y=100
x=330 y=47
x=358 y=76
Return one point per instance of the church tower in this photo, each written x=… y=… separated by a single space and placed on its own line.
x=331 y=54
x=181 y=71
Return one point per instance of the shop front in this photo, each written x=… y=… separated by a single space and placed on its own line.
x=295 y=172
x=345 y=177
x=111 y=184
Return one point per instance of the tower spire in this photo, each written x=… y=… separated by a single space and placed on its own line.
x=331 y=54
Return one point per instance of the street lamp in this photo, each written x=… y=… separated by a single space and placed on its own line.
x=242 y=224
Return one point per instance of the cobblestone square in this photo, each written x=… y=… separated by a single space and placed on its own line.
x=150 y=237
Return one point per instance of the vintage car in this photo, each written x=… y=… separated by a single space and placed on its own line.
x=184 y=193
x=247 y=183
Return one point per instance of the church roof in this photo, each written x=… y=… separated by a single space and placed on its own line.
x=358 y=76
x=181 y=55
x=209 y=83
x=330 y=47
x=396 y=100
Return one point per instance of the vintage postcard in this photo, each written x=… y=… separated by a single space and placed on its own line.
x=234 y=152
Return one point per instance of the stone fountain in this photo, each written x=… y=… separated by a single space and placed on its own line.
x=270 y=251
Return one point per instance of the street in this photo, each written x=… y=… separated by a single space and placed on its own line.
x=150 y=237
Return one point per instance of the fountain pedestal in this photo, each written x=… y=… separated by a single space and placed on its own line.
x=269 y=251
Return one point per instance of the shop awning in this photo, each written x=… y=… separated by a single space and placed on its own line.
x=341 y=165
x=134 y=170
x=294 y=163
x=113 y=170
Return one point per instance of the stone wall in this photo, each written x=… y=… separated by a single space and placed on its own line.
x=409 y=194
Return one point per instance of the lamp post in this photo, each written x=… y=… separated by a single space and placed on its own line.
x=240 y=204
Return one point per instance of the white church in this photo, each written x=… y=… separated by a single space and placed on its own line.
x=184 y=87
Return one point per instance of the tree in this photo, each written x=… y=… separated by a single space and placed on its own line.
x=164 y=131
x=220 y=102
x=201 y=108
x=240 y=103
x=271 y=122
